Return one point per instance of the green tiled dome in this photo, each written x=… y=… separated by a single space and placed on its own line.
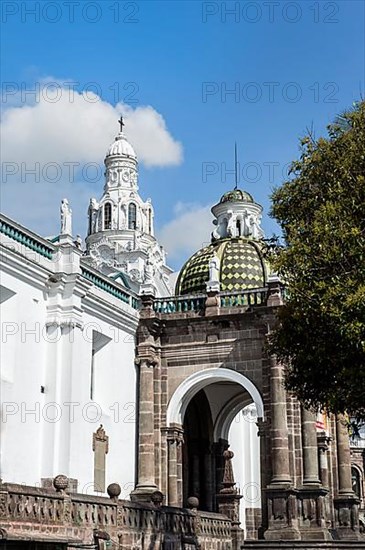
x=241 y=267
x=236 y=195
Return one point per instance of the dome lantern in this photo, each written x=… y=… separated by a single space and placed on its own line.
x=237 y=215
x=235 y=252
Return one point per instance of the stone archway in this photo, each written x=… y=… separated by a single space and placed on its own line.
x=197 y=381
x=205 y=403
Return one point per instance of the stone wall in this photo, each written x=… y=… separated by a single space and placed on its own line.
x=184 y=346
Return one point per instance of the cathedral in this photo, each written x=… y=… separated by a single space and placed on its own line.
x=140 y=410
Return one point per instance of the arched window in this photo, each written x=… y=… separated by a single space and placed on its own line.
x=107 y=215
x=149 y=222
x=132 y=216
x=356 y=481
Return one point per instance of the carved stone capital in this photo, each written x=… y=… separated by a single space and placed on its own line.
x=263 y=427
x=323 y=441
x=148 y=361
x=174 y=434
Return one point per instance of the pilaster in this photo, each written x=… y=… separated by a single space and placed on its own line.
x=175 y=438
x=146 y=442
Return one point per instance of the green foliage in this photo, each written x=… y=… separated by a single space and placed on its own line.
x=321 y=210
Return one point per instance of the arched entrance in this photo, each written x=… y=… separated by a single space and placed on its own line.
x=204 y=406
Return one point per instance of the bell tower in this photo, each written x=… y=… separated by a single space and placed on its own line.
x=120 y=236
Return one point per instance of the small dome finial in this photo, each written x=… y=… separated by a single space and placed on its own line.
x=121 y=122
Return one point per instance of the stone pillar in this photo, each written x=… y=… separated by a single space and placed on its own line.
x=146 y=441
x=174 y=441
x=275 y=291
x=310 y=449
x=312 y=495
x=281 y=496
x=209 y=480
x=323 y=441
x=279 y=428
x=346 y=503
x=212 y=303
x=343 y=457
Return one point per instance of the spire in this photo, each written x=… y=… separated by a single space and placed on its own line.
x=235 y=166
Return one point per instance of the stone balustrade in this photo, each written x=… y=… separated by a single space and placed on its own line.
x=46 y=515
x=253 y=297
x=180 y=304
x=195 y=304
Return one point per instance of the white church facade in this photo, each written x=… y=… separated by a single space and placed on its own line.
x=69 y=322
x=111 y=376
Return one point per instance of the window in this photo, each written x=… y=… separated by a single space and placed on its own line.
x=132 y=216
x=149 y=222
x=97 y=373
x=90 y=222
x=107 y=216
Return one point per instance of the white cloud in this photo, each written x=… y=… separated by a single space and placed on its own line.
x=189 y=231
x=37 y=205
x=77 y=128
x=67 y=126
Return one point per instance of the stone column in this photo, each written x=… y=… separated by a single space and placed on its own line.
x=281 y=496
x=323 y=441
x=174 y=442
x=310 y=449
x=279 y=428
x=146 y=441
x=346 y=503
x=312 y=511
x=343 y=457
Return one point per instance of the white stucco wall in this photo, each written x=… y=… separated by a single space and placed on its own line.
x=22 y=357
x=245 y=444
x=48 y=432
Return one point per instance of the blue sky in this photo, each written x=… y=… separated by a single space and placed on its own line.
x=291 y=64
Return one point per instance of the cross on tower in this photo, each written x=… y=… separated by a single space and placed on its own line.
x=121 y=123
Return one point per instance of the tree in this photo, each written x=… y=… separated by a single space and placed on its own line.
x=321 y=210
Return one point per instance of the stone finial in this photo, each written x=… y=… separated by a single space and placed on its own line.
x=114 y=491
x=228 y=477
x=193 y=503
x=228 y=497
x=60 y=483
x=101 y=436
